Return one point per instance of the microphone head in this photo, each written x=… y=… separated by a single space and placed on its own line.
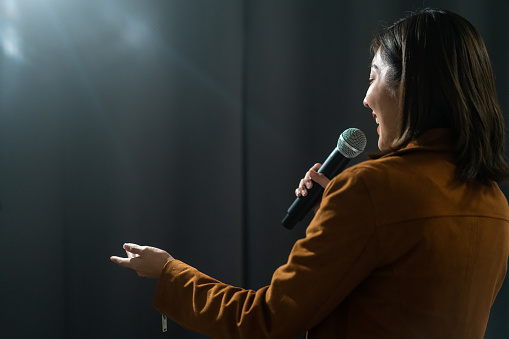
x=351 y=142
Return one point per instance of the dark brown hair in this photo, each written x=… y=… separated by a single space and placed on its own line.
x=440 y=68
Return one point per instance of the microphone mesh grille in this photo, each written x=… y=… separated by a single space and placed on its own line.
x=351 y=142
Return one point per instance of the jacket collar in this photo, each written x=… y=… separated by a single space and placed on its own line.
x=435 y=140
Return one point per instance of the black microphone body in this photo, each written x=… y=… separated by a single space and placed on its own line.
x=335 y=163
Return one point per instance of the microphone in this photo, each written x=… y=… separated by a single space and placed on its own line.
x=351 y=143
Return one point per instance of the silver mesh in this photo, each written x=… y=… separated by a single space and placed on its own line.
x=351 y=142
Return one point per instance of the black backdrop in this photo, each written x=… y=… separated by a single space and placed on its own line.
x=180 y=124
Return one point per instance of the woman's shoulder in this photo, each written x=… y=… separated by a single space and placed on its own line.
x=379 y=167
x=399 y=172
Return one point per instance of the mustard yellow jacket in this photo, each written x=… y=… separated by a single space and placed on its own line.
x=400 y=248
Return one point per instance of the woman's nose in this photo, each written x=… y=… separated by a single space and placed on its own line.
x=365 y=103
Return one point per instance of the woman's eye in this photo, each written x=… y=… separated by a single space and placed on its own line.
x=371 y=80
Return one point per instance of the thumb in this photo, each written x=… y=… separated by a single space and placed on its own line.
x=319 y=178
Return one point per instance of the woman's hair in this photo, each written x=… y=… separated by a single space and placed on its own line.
x=440 y=68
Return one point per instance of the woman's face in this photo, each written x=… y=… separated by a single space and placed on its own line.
x=383 y=104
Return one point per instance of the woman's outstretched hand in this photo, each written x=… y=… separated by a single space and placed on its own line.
x=147 y=261
x=308 y=181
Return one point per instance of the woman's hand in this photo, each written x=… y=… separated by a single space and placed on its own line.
x=147 y=261
x=307 y=182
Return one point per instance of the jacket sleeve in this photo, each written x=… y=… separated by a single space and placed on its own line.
x=338 y=252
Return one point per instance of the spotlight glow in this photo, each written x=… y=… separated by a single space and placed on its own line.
x=11 y=44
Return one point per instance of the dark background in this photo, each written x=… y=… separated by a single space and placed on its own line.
x=181 y=124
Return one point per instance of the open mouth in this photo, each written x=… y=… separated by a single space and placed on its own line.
x=376 y=118
x=377 y=122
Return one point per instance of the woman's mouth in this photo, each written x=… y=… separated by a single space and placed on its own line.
x=377 y=122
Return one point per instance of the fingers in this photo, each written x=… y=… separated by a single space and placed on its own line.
x=147 y=261
x=132 y=251
x=304 y=184
x=316 y=167
x=134 y=248
x=311 y=176
x=319 y=178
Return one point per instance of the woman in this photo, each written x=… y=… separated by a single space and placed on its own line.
x=411 y=244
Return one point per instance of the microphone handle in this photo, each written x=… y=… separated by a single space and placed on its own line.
x=334 y=164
